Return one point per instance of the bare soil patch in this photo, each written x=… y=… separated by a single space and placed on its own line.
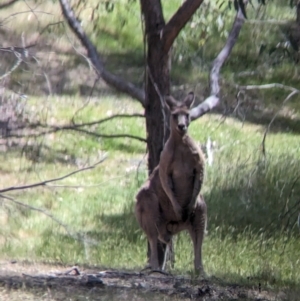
x=50 y=282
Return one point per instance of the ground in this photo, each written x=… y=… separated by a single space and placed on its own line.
x=32 y=281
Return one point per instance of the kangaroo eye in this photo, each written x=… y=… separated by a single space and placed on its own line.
x=175 y=116
x=187 y=116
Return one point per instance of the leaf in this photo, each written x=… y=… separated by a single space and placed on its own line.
x=263 y=2
x=229 y=4
x=291 y=3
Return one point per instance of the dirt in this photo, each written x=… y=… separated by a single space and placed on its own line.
x=48 y=282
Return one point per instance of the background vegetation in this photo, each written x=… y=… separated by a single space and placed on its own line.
x=253 y=199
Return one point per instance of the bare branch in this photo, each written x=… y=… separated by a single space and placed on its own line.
x=274 y=117
x=76 y=127
x=178 y=21
x=7 y=4
x=268 y=86
x=268 y=21
x=44 y=183
x=110 y=118
x=93 y=55
x=54 y=129
x=38 y=210
x=83 y=186
x=214 y=98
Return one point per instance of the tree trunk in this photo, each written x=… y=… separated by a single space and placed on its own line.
x=156 y=87
x=157 y=81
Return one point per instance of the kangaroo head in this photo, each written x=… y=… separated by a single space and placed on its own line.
x=180 y=113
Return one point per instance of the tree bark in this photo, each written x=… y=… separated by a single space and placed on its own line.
x=157 y=80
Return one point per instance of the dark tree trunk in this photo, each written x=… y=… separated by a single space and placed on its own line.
x=156 y=87
x=157 y=80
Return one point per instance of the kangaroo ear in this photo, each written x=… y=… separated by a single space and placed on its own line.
x=189 y=100
x=171 y=102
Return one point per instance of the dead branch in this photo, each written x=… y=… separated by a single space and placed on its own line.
x=76 y=236
x=5 y=20
x=267 y=21
x=214 y=98
x=84 y=186
x=263 y=144
x=44 y=183
x=95 y=58
x=76 y=127
x=38 y=210
x=8 y=3
x=55 y=129
x=268 y=86
x=97 y=122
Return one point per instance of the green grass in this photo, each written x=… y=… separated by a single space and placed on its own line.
x=253 y=201
x=247 y=196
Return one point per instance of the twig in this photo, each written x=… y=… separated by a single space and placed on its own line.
x=162 y=103
x=44 y=183
x=83 y=186
x=77 y=127
x=57 y=129
x=268 y=21
x=68 y=272
x=7 y=4
x=41 y=211
x=268 y=86
x=24 y=12
x=274 y=117
x=88 y=99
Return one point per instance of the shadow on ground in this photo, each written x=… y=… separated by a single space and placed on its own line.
x=20 y=281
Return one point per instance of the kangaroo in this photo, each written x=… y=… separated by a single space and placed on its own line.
x=169 y=201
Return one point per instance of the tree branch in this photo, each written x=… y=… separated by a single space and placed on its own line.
x=76 y=127
x=7 y=4
x=268 y=86
x=93 y=55
x=214 y=98
x=178 y=21
x=263 y=143
x=38 y=210
x=54 y=129
x=44 y=183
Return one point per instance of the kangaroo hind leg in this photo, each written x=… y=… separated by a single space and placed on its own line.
x=147 y=215
x=197 y=230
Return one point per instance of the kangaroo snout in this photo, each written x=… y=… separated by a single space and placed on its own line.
x=182 y=127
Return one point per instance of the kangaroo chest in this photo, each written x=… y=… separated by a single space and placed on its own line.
x=182 y=172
